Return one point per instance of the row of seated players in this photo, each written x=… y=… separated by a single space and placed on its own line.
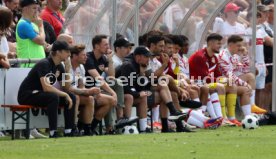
x=168 y=84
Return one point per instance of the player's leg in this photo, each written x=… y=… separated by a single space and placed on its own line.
x=86 y=113
x=244 y=94
x=251 y=80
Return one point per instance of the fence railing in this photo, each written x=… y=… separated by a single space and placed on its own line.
x=21 y=61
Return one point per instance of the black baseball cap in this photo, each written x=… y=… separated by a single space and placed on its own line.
x=267 y=2
x=142 y=50
x=60 y=45
x=24 y=3
x=122 y=42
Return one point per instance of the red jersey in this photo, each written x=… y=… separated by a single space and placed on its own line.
x=56 y=19
x=202 y=65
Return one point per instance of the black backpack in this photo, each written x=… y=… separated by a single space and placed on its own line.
x=268 y=119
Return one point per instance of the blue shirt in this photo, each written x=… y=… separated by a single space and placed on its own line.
x=26 y=30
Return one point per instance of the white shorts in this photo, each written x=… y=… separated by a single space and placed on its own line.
x=260 y=78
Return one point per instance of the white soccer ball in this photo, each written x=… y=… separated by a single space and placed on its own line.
x=256 y=115
x=127 y=130
x=250 y=122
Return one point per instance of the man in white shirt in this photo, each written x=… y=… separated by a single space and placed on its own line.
x=89 y=98
x=262 y=39
x=230 y=25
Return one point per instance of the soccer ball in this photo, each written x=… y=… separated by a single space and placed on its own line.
x=130 y=130
x=256 y=116
x=250 y=122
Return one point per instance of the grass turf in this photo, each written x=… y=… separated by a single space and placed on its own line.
x=224 y=143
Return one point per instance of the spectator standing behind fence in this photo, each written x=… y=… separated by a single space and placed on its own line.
x=262 y=38
x=5 y=22
x=30 y=34
x=268 y=55
x=13 y=5
x=230 y=25
x=51 y=13
x=50 y=35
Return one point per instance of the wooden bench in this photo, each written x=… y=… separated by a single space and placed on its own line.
x=23 y=112
x=20 y=112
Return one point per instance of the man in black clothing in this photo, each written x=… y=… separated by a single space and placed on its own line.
x=133 y=68
x=37 y=88
x=98 y=63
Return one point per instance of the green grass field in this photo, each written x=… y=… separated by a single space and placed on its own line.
x=224 y=143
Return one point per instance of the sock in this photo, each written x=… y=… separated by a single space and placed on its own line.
x=143 y=124
x=210 y=109
x=231 y=100
x=80 y=125
x=86 y=128
x=203 y=108
x=221 y=99
x=52 y=132
x=94 y=124
x=193 y=121
x=155 y=114
x=179 y=125
x=165 y=126
x=198 y=116
x=252 y=98
x=67 y=131
x=196 y=99
x=218 y=102
x=75 y=127
x=246 y=109
x=171 y=107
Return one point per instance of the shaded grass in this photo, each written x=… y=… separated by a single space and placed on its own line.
x=224 y=143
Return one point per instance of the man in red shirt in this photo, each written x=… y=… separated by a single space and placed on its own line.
x=51 y=13
x=204 y=68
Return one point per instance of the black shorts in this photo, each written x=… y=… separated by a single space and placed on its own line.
x=268 y=78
